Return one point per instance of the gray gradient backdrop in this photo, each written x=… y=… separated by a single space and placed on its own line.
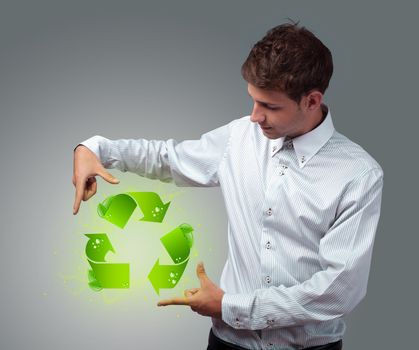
x=130 y=69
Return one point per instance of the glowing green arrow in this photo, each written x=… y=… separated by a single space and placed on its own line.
x=178 y=243
x=98 y=246
x=104 y=275
x=119 y=208
x=166 y=276
x=110 y=275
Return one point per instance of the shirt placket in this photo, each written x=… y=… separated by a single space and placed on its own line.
x=279 y=170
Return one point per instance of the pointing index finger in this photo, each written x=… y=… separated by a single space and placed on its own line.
x=79 y=195
x=174 y=301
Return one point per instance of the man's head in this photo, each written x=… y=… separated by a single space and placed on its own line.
x=288 y=71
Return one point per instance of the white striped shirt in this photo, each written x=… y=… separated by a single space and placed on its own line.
x=302 y=220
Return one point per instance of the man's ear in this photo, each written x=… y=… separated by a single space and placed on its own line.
x=313 y=100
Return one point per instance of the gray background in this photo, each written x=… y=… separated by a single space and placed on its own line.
x=130 y=69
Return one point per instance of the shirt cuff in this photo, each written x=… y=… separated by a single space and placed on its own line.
x=236 y=310
x=97 y=146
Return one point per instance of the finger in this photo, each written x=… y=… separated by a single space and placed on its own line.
x=174 y=301
x=108 y=177
x=200 y=272
x=79 y=195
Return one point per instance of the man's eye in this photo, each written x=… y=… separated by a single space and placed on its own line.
x=268 y=107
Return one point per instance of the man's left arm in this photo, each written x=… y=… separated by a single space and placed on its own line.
x=345 y=255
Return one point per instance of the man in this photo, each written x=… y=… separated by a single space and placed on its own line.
x=303 y=202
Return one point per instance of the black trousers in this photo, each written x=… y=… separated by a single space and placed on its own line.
x=215 y=343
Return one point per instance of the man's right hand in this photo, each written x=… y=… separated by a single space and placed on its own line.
x=86 y=166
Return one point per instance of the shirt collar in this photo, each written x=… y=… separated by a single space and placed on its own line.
x=308 y=144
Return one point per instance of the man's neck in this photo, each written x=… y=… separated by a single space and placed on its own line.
x=320 y=117
x=324 y=111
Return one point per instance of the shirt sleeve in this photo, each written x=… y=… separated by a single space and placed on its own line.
x=187 y=163
x=345 y=256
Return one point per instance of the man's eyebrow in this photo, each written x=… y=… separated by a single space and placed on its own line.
x=264 y=103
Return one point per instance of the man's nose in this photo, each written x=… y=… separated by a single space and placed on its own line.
x=257 y=115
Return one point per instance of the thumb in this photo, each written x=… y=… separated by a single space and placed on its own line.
x=108 y=177
x=200 y=272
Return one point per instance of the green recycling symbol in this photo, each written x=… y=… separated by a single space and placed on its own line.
x=118 y=210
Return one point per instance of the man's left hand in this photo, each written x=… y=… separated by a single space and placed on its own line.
x=206 y=300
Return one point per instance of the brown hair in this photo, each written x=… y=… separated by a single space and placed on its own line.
x=291 y=59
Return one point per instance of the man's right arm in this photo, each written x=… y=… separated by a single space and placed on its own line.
x=188 y=163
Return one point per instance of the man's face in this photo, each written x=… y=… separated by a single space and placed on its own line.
x=277 y=114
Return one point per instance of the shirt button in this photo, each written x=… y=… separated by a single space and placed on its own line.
x=268 y=279
x=269 y=211
x=273 y=148
x=282 y=168
x=268 y=245
x=270 y=344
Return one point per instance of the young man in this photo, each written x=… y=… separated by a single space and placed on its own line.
x=303 y=202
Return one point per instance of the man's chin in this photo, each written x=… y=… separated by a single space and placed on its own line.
x=270 y=134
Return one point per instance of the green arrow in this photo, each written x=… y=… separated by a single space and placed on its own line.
x=151 y=205
x=178 y=243
x=118 y=209
x=104 y=275
x=98 y=246
x=109 y=275
x=166 y=276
